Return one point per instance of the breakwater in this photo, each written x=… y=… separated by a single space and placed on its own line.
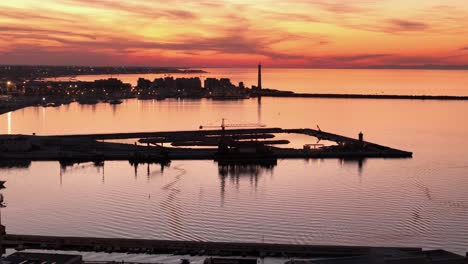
x=277 y=93
x=93 y=147
x=186 y=247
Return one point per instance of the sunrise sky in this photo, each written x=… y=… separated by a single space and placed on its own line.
x=205 y=33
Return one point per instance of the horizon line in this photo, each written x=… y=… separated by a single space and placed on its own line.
x=371 y=67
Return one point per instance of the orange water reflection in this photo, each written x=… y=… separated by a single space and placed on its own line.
x=411 y=202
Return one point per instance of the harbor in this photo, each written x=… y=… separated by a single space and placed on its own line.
x=222 y=144
x=233 y=132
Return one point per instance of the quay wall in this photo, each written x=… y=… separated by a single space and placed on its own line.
x=183 y=247
x=367 y=96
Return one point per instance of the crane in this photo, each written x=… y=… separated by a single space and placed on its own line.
x=224 y=125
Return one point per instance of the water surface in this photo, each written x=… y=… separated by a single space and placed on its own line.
x=405 y=202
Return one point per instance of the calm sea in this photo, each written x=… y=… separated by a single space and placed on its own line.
x=407 y=82
x=386 y=202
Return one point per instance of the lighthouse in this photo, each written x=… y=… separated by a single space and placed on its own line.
x=259 y=85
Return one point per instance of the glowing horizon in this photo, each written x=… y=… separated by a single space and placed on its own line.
x=301 y=33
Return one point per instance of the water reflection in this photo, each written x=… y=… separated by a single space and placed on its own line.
x=172 y=203
x=149 y=173
x=360 y=163
x=252 y=169
x=69 y=166
x=234 y=171
x=114 y=109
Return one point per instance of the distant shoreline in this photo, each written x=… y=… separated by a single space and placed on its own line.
x=19 y=104
x=177 y=71
x=28 y=72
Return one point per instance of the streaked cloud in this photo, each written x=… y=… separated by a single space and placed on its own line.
x=140 y=8
x=300 y=33
x=400 y=25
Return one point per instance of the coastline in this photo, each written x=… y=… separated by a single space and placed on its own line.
x=17 y=104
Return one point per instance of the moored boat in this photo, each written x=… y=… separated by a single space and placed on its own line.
x=115 y=102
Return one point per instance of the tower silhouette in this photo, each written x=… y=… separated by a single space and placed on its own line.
x=259 y=85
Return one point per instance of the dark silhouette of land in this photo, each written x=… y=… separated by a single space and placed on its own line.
x=19 y=73
x=219 y=145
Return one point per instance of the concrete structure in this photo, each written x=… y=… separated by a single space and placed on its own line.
x=81 y=148
x=15 y=144
x=386 y=256
x=212 y=260
x=42 y=258
x=179 y=247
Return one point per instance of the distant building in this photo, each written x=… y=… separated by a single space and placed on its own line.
x=224 y=89
x=143 y=84
x=211 y=83
x=189 y=86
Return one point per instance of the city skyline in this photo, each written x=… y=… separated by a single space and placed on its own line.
x=315 y=33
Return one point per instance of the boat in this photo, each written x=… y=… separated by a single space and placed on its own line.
x=115 y=102
x=52 y=104
x=244 y=151
x=87 y=101
x=2 y=184
x=229 y=97
x=145 y=97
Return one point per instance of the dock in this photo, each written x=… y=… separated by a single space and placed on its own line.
x=187 y=145
x=21 y=242
x=218 y=252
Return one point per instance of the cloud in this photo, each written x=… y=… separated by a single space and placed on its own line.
x=19 y=30
x=21 y=14
x=392 y=26
x=416 y=60
x=285 y=16
x=32 y=54
x=309 y=33
x=137 y=9
x=236 y=38
x=359 y=57
x=341 y=8
x=83 y=56
x=401 y=25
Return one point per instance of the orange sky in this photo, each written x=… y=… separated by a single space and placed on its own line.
x=206 y=33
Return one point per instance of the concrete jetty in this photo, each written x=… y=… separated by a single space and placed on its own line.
x=225 y=252
x=185 y=247
x=93 y=147
x=278 y=93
